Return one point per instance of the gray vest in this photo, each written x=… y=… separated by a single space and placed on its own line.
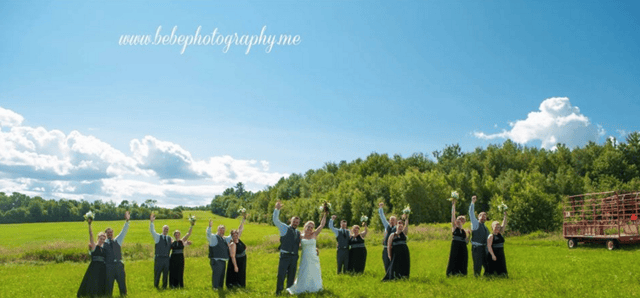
x=343 y=238
x=220 y=251
x=112 y=252
x=290 y=241
x=163 y=247
x=480 y=235
x=390 y=230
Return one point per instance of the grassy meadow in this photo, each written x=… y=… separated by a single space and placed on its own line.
x=41 y=260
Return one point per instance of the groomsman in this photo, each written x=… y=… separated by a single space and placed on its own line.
x=163 y=248
x=218 y=255
x=342 y=237
x=289 y=245
x=479 y=234
x=389 y=229
x=113 y=259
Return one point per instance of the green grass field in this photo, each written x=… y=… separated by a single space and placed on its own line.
x=539 y=265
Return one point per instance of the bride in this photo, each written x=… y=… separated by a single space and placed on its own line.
x=309 y=275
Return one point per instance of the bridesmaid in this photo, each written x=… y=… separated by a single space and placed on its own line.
x=459 y=256
x=94 y=281
x=176 y=261
x=400 y=265
x=357 y=250
x=237 y=267
x=496 y=264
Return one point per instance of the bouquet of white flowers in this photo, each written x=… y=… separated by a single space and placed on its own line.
x=364 y=218
x=406 y=210
x=89 y=215
x=502 y=207
x=192 y=219
x=242 y=210
x=325 y=207
x=454 y=195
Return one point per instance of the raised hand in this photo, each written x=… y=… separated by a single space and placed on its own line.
x=380 y=205
x=333 y=217
x=210 y=222
x=89 y=220
x=278 y=205
x=152 y=217
x=127 y=216
x=473 y=199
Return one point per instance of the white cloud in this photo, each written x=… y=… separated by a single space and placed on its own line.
x=50 y=163
x=556 y=121
x=166 y=159
x=9 y=118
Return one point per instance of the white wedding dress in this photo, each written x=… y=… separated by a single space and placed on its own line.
x=309 y=275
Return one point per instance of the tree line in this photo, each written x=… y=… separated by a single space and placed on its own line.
x=20 y=208
x=532 y=182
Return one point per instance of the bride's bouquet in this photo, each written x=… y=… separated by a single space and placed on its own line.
x=89 y=215
x=454 y=196
x=406 y=210
x=242 y=210
x=364 y=218
x=502 y=207
x=192 y=219
x=325 y=207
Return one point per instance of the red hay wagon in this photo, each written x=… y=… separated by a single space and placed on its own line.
x=610 y=217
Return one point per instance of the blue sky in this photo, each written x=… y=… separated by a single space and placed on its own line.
x=84 y=117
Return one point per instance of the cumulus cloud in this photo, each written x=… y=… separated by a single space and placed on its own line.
x=556 y=121
x=9 y=118
x=50 y=163
x=166 y=159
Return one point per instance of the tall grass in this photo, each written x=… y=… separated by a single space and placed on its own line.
x=540 y=265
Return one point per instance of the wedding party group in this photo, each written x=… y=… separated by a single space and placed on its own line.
x=228 y=259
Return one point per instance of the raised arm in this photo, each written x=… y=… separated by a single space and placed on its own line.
x=213 y=240
x=152 y=229
x=453 y=215
x=383 y=219
x=406 y=224
x=366 y=230
x=323 y=221
x=489 y=248
x=241 y=227
x=333 y=229
x=504 y=221
x=472 y=215
x=120 y=238
x=92 y=244
x=282 y=228
x=186 y=237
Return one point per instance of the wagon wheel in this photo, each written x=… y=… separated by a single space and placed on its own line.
x=572 y=243
x=612 y=244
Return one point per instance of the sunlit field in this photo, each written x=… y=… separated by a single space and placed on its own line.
x=41 y=260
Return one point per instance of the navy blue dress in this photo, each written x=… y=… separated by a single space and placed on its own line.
x=400 y=265
x=94 y=280
x=459 y=256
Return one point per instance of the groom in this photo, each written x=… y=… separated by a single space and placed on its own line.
x=113 y=259
x=289 y=244
x=342 y=236
x=163 y=248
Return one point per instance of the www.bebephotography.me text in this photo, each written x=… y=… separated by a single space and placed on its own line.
x=215 y=38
